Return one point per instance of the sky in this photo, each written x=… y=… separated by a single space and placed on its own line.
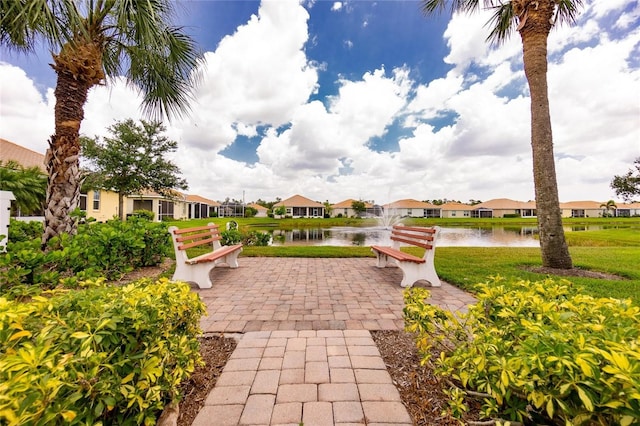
x=371 y=100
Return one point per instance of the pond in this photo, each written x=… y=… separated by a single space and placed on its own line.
x=497 y=236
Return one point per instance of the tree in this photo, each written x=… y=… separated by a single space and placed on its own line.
x=628 y=186
x=608 y=206
x=359 y=207
x=132 y=160
x=96 y=39
x=533 y=19
x=29 y=186
x=328 y=209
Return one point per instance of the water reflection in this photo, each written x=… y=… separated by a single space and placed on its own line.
x=515 y=236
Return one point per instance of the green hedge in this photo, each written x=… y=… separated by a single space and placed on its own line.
x=536 y=352
x=105 y=355
x=108 y=249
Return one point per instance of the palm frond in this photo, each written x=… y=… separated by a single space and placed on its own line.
x=567 y=11
x=24 y=22
x=438 y=6
x=163 y=73
x=502 y=23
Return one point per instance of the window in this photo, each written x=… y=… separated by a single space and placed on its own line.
x=408 y=212
x=83 y=202
x=453 y=214
x=165 y=209
x=96 y=200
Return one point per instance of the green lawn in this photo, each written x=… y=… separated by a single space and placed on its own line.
x=614 y=251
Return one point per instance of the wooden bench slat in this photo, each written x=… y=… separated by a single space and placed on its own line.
x=214 y=255
x=198 y=236
x=198 y=228
x=414 y=228
x=422 y=236
x=197 y=243
x=399 y=255
x=413 y=242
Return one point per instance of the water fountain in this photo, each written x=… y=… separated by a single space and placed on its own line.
x=388 y=217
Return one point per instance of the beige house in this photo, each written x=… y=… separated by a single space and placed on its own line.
x=262 y=210
x=456 y=210
x=597 y=209
x=299 y=206
x=164 y=208
x=200 y=207
x=628 y=209
x=411 y=208
x=101 y=205
x=345 y=209
x=501 y=207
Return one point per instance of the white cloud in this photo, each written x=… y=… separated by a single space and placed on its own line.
x=260 y=83
x=25 y=116
x=336 y=6
x=258 y=75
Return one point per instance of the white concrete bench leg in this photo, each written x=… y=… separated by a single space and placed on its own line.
x=383 y=260
x=231 y=259
x=197 y=273
x=412 y=272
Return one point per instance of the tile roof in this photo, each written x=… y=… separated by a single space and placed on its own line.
x=21 y=155
x=588 y=205
x=298 y=201
x=505 y=204
x=198 y=199
x=410 y=203
x=456 y=206
x=257 y=206
x=346 y=204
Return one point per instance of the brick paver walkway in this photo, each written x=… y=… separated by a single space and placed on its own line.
x=306 y=354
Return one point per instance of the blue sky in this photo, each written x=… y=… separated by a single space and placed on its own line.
x=372 y=100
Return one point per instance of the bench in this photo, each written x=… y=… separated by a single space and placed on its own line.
x=413 y=268
x=197 y=269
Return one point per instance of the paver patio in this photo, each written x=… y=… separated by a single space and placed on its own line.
x=267 y=294
x=306 y=354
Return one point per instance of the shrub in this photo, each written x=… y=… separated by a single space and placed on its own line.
x=256 y=238
x=24 y=231
x=110 y=355
x=230 y=237
x=538 y=352
x=142 y=214
x=110 y=249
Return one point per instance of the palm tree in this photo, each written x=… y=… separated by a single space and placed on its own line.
x=96 y=39
x=533 y=19
x=28 y=186
x=608 y=206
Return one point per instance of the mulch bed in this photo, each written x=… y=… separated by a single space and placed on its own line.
x=215 y=351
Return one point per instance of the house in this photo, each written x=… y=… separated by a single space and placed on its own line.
x=200 y=207
x=98 y=204
x=175 y=207
x=231 y=209
x=299 y=206
x=412 y=208
x=504 y=207
x=27 y=158
x=582 y=209
x=456 y=210
x=262 y=210
x=345 y=209
x=628 y=210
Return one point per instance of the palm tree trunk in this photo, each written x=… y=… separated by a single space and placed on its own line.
x=535 y=27
x=76 y=69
